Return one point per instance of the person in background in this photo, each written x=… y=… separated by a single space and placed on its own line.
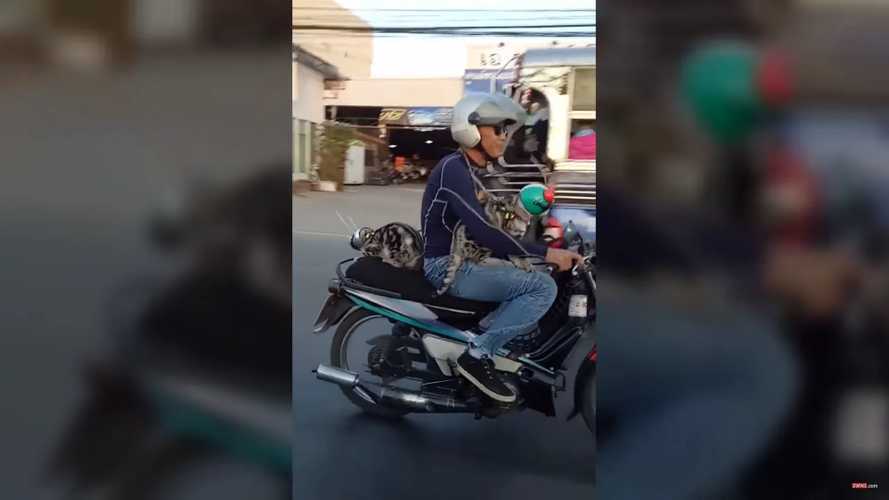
x=537 y=125
x=583 y=144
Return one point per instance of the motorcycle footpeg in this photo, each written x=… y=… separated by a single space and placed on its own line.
x=515 y=354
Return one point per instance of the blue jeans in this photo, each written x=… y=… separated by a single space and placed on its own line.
x=524 y=298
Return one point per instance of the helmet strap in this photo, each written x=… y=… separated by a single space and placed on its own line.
x=470 y=162
x=487 y=157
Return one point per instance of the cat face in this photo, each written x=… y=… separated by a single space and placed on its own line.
x=395 y=245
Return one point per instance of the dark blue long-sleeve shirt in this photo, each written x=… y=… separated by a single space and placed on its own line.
x=450 y=198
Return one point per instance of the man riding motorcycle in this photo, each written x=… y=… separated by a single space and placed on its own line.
x=481 y=125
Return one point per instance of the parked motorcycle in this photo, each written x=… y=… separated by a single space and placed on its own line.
x=416 y=172
x=396 y=343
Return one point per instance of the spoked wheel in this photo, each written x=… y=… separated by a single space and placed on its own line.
x=357 y=345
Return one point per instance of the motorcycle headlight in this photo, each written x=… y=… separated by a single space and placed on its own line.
x=359 y=237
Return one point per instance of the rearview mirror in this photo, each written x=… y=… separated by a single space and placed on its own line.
x=570 y=234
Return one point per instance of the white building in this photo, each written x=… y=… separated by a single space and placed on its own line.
x=309 y=74
x=487 y=60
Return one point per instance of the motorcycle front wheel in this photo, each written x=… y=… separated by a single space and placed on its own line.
x=348 y=352
x=588 y=402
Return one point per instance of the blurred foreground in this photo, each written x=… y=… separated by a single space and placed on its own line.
x=96 y=147
x=743 y=173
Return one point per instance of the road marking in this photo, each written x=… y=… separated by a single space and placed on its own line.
x=319 y=233
x=343 y=220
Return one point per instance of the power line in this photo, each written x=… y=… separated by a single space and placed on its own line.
x=334 y=9
x=492 y=31
x=316 y=25
x=451 y=19
x=470 y=34
x=435 y=28
x=584 y=34
x=319 y=25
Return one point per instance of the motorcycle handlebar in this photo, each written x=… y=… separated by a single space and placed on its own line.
x=584 y=265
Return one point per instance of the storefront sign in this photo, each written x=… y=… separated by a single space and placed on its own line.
x=490 y=57
x=430 y=116
x=422 y=116
x=393 y=116
x=479 y=80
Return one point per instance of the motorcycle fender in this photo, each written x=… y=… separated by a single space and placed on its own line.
x=585 y=376
x=333 y=310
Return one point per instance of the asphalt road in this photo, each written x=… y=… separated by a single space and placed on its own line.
x=340 y=454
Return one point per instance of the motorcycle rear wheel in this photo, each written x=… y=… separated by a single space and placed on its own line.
x=339 y=359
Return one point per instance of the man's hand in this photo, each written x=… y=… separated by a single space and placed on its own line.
x=564 y=259
x=820 y=282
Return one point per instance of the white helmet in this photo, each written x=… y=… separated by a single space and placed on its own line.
x=476 y=108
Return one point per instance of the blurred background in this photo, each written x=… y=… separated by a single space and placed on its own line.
x=743 y=218
x=146 y=247
x=744 y=191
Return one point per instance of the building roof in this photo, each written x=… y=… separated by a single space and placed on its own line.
x=563 y=56
x=329 y=71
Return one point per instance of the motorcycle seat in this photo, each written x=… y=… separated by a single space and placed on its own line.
x=412 y=285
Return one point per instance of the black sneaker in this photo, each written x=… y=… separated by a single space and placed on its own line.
x=482 y=375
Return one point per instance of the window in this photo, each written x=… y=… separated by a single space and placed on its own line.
x=295 y=81
x=302 y=147
x=578 y=125
x=582 y=145
x=584 y=92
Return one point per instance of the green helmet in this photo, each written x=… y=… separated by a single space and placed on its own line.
x=536 y=198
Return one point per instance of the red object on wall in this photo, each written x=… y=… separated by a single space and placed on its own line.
x=582 y=147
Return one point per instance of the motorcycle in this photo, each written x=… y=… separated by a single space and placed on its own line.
x=416 y=172
x=396 y=343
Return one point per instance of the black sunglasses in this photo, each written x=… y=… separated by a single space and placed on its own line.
x=500 y=128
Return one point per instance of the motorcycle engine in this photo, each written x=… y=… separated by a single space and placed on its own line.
x=385 y=359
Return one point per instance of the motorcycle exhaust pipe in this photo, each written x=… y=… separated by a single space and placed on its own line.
x=393 y=396
x=336 y=376
x=419 y=402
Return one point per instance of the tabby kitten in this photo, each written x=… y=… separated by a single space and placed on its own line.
x=397 y=244
x=464 y=249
